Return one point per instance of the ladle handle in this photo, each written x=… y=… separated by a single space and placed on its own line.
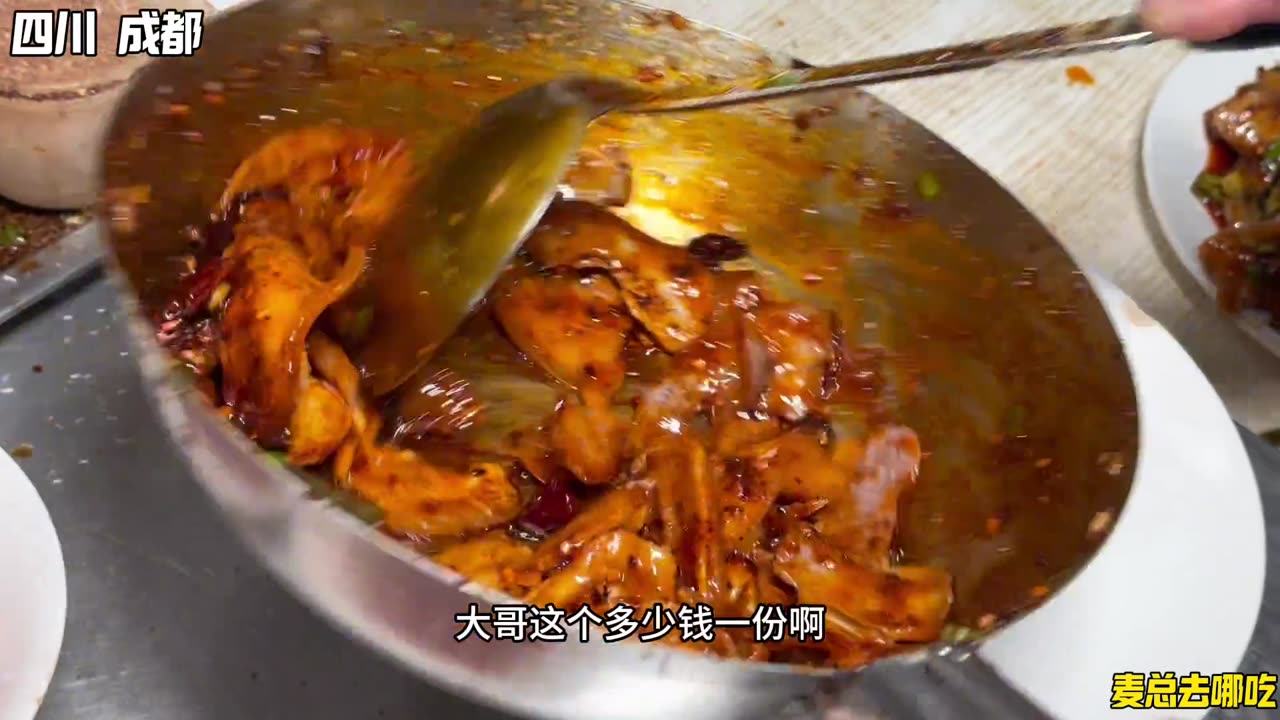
x=1107 y=34
x=1111 y=33
x=955 y=686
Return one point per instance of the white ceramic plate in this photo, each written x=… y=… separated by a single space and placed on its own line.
x=33 y=595
x=1178 y=586
x=1174 y=150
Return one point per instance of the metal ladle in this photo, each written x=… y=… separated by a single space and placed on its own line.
x=486 y=191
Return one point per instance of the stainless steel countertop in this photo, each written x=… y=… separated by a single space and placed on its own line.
x=169 y=618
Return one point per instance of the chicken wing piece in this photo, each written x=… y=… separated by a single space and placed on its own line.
x=290 y=261
x=734 y=432
x=741 y=593
x=419 y=499
x=332 y=175
x=802 y=469
x=664 y=287
x=628 y=507
x=588 y=438
x=688 y=504
x=273 y=302
x=792 y=467
x=495 y=560
x=800 y=342
x=635 y=570
x=904 y=604
x=575 y=327
x=711 y=373
x=321 y=421
x=862 y=522
x=330 y=362
x=747 y=495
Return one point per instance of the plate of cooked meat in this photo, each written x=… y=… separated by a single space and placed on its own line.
x=1211 y=159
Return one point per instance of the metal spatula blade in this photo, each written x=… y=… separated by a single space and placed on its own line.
x=481 y=197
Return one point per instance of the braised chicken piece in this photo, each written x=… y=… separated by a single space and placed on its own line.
x=627 y=567
x=588 y=438
x=351 y=180
x=417 y=498
x=421 y=499
x=870 y=607
x=273 y=302
x=665 y=289
x=628 y=507
x=862 y=520
x=285 y=267
x=761 y=360
x=720 y=370
x=494 y=559
x=792 y=467
x=1249 y=122
x=798 y=340
x=321 y=421
x=622 y=420
x=573 y=326
x=689 y=508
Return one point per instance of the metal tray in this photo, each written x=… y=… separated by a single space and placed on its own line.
x=73 y=258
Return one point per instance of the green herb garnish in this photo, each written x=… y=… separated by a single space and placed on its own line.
x=928 y=186
x=404 y=27
x=11 y=235
x=1208 y=187
x=782 y=79
x=1234 y=185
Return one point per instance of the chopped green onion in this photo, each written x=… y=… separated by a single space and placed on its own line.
x=1273 y=152
x=783 y=79
x=404 y=27
x=1233 y=185
x=1208 y=187
x=11 y=235
x=1271 y=207
x=928 y=186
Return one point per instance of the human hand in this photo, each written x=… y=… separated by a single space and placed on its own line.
x=1202 y=20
